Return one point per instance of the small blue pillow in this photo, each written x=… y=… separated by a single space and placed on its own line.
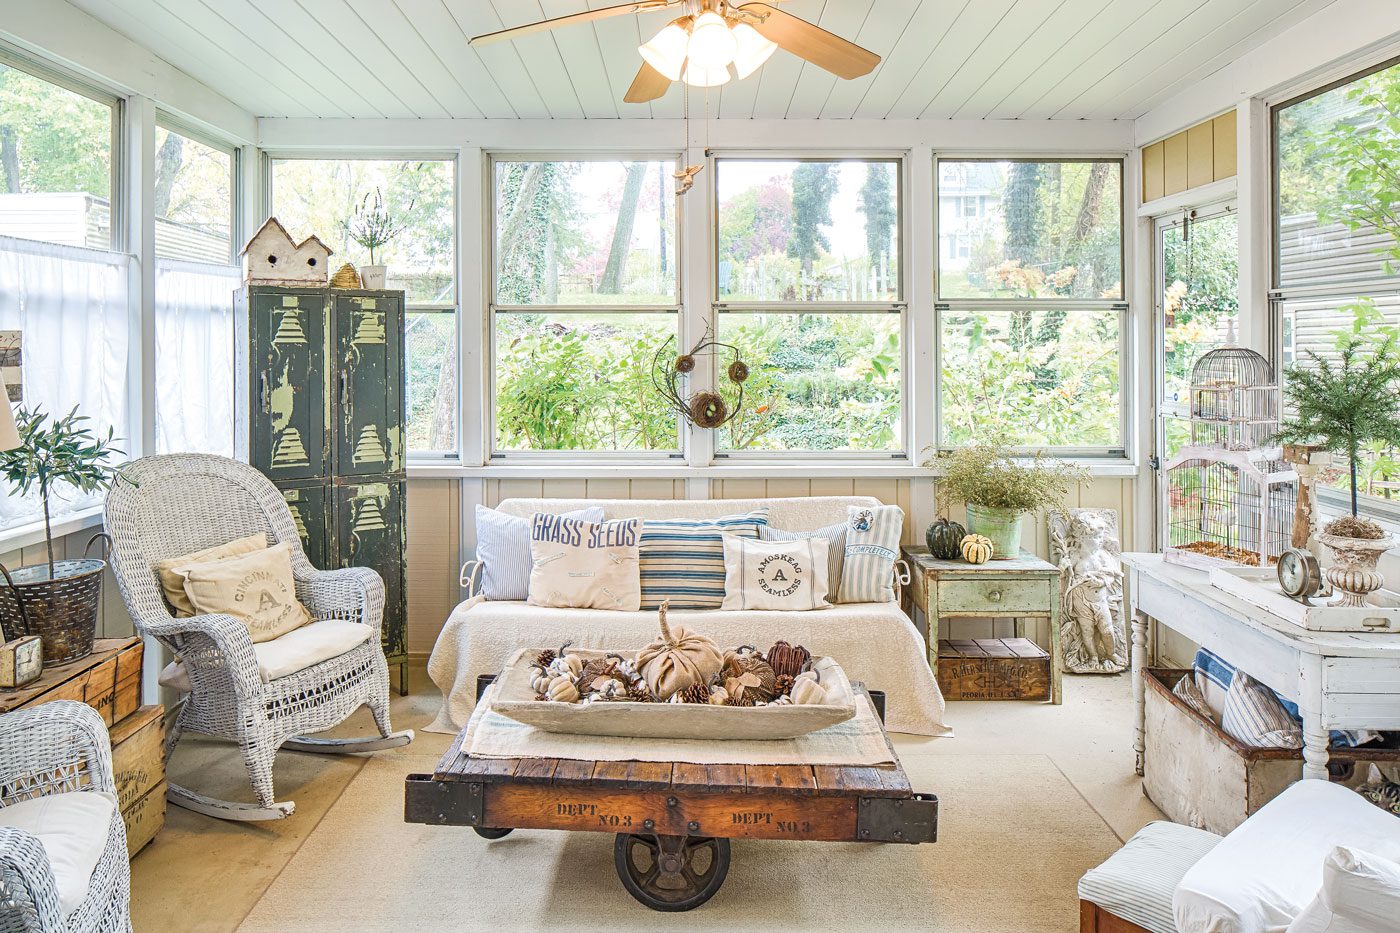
x=503 y=547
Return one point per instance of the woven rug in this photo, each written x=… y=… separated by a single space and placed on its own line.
x=1014 y=837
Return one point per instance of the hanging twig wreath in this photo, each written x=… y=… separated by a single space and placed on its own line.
x=703 y=409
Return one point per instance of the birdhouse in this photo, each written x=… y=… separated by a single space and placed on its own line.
x=272 y=258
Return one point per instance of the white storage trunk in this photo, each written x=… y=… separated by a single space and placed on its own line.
x=1198 y=775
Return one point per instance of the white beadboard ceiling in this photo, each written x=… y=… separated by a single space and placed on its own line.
x=942 y=59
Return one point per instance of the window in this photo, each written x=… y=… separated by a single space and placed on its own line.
x=55 y=161
x=1030 y=313
x=321 y=196
x=585 y=294
x=1336 y=236
x=193 y=203
x=808 y=275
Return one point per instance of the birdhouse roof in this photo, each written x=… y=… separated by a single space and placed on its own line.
x=273 y=222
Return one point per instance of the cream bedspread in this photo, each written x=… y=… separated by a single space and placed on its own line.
x=873 y=642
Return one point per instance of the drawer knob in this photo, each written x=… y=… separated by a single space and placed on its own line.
x=994 y=596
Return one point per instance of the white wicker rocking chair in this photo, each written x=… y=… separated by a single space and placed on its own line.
x=179 y=503
x=58 y=748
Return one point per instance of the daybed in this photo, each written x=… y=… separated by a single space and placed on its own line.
x=874 y=642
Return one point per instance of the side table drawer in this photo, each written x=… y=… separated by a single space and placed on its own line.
x=1000 y=596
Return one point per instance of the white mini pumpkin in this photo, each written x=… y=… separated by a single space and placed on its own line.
x=562 y=690
x=807 y=689
x=976 y=549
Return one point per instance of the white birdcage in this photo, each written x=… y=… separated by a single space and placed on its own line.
x=1228 y=498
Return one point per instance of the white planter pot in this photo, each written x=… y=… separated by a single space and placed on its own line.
x=373 y=276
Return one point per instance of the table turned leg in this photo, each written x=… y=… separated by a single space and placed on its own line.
x=1316 y=740
x=1139 y=661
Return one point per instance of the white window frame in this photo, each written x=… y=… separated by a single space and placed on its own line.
x=495 y=454
x=173 y=124
x=1128 y=393
x=453 y=158
x=899 y=305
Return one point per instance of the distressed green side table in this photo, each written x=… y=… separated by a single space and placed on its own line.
x=1023 y=587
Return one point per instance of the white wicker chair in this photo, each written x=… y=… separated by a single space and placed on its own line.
x=179 y=503
x=57 y=748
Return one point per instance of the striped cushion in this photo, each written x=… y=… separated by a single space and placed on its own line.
x=683 y=560
x=1137 y=881
x=503 y=547
x=872 y=545
x=835 y=537
x=1188 y=691
x=1255 y=716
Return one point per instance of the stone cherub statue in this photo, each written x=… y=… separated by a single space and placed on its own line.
x=1084 y=543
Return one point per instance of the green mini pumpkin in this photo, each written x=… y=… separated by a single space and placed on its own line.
x=943 y=539
x=976 y=549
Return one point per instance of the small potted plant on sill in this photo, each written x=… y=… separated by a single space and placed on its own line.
x=58 y=599
x=373 y=228
x=999 y=488
x=1340 y=405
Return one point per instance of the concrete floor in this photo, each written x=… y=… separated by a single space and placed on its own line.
x=206 y=875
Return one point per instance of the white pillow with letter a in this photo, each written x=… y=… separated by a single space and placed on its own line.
x=585 y=565
x=775 y=574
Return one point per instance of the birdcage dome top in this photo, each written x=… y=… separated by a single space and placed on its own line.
x=1232 y=366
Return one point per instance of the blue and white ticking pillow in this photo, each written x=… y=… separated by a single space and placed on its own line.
x=872 y=545
x=1255 y=716
x=835 y=537
x=683 y=560
x=503 y=547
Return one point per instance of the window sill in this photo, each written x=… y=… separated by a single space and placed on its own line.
x=22 y=536
x=731 y=470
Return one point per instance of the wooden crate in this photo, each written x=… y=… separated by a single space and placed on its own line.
x=1198 y=775
x=108 y=680
x=138 y=764
x=144 y=818
x=993 y=669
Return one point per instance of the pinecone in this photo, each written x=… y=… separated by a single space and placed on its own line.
x=782 y=685
x=639 y=692
x=545 y=658
x=541 y=696
x=695 y=693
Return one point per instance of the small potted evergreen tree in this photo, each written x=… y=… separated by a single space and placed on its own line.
x=373 y=227
x=56 y=600
x=1341 y=405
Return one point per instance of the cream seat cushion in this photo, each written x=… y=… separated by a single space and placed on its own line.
x=295 y=651
x=73 y=829
x=172 y=575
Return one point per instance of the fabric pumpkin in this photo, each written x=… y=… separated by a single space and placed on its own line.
x=678 y=659
x=785 y=659
x=976 y=549
x=807 y=689
x=943 y=539
x=562 y=690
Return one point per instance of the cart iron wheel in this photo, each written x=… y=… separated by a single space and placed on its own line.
x=671 y=873
x=491 y=832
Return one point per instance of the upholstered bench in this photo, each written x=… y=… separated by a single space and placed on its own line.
x=1133 y=889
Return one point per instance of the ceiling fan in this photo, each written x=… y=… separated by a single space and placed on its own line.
x=713 y=38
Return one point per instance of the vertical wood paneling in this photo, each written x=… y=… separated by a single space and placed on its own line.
x=1200 y=155
x=1225 y=142
x=432 y=515
x=1175 y=157
x=1154 y=179
x=1194 y=157
x=788 y=488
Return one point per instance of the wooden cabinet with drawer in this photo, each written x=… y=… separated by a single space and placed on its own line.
x=1019 y=588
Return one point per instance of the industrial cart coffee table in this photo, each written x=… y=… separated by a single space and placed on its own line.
x=673 y=820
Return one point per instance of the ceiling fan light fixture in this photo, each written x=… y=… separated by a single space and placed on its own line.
x=712 y=44
x=697 y=75
x=666 y=50
x=752 y=50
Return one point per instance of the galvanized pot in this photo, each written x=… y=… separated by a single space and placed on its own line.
x=1002 y=526
x=62 y=611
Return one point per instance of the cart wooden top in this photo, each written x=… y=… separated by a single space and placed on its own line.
x=887 y=780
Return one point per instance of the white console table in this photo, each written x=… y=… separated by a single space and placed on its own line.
x=1339 y=680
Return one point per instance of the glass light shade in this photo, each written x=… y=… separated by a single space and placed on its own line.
x=753 y=50
x=666 y=50
x=712 y=45
x=697 y=76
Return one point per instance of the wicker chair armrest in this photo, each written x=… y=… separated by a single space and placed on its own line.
x=28 y=893
x=54 y=747
x=354 y=593
x=216 y=649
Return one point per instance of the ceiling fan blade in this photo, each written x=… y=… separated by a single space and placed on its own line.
x=812 y=43
x=587 y=16
x=649 y=84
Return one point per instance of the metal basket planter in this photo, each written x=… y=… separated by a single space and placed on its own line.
x=62 y=611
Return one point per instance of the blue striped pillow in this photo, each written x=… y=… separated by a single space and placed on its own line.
x=1255 y=716
x=872 y=546
x=683 y=560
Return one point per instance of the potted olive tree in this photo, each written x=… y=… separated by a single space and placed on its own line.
x=374 y=228
x=999 y=488
x=1342 y=404
x=58 y=599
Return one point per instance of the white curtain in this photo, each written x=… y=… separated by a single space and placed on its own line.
x=71 y=305
x=194 y=357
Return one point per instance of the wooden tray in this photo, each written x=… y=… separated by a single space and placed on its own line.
x=1258 y=586
x=515 y=699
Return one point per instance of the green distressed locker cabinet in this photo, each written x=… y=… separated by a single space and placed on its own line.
x=320 y=411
